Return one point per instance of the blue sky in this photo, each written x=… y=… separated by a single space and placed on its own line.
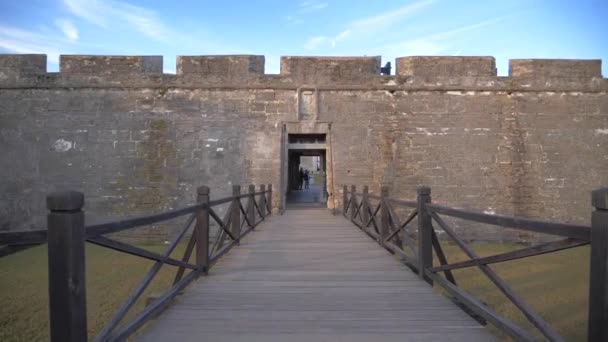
x=391 y=28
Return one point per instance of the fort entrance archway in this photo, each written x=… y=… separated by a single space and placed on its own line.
x=306 y=153
x=307 y=146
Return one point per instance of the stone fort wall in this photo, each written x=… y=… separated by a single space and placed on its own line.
x=137 y=141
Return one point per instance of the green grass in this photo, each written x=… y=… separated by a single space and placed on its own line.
x=110 y=278
x=555 y=285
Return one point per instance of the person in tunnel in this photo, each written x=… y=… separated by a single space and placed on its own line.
x=306 y=179
x=301 y=179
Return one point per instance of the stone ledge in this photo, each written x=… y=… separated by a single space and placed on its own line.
x=110 y=65
x=21 y=65
x=555 y=68
x=229 y=67
x=448 y=66
x=324 y=70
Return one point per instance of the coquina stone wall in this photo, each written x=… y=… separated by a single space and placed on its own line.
x=138 y=141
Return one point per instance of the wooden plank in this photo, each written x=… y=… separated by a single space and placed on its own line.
x=140 y=252
x=528 y=312
x=152 y=309
x=269 y=199
x=251 y=206
x=245 y=215
x=560 y=229
x=220 y=201
x=262 y=201
x=187 y=254
x=201 y=230
x=308 y=273
x=147 y=279
x=365 y=205
x=598 y=280
x=442 y=258
x=23 y=238
x=409 y=204
x=8 y=250
x=236 y=213
x=354 y=204
x=398 y=226
x=223 y=224
x=425 y=232
x=502 y=323
x=544 y=248
x=66 y=265
x=123 y=224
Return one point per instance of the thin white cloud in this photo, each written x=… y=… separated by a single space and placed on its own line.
x=294 y=20
x=388 y=18
x=436 y=43
x=315 y=42
x=108 y=14
x=68 y=29
x=312 y=5
x=113 y=15
x=364 y=27
x=21 y=41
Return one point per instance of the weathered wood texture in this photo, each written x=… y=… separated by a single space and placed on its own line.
x=311 y=276
x=67 y=285
x=598 y=291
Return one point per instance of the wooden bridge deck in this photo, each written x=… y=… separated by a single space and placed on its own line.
x=311 y=276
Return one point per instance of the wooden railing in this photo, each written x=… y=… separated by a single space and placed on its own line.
x=376 y=216
x=67 y=233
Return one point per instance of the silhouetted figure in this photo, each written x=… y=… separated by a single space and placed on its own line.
x=306 y=179
x=301 y=179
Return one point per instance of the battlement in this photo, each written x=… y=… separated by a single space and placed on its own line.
x=247 y=71
x=564 y=68
x=110 y=65
x=448 y=66
x=239 y=66
x=21 y=65
x=311 y=70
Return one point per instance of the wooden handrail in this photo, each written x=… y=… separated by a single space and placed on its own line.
x=66 y=236
x=560 y=229
x=422 y=261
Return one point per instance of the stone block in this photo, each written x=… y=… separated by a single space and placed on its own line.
x=330 y=70
x=229 y=67
x=91 y=65
x=445 y=66
x=565 y=68
x=21 y=65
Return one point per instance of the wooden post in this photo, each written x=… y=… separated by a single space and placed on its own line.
x=202 y=231
x=344 y=200
x=262 y=203
x=353 y=202
x=236 y=213
x=269 y=199
x=67 y=287
x=384 y=215
x=364 y=205
x=251 y=206
x=425 y=233
x=598 y=278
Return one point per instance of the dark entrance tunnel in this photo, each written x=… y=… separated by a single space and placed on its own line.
x=306 y=153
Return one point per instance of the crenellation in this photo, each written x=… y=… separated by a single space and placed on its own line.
x=115 y=66
x=556 y=68
x=16 y=66
x=330 y=70
x=448 y=66
x=239 y=67
x=141 y=141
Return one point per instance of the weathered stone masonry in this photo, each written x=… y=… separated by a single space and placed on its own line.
x=135 y=140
